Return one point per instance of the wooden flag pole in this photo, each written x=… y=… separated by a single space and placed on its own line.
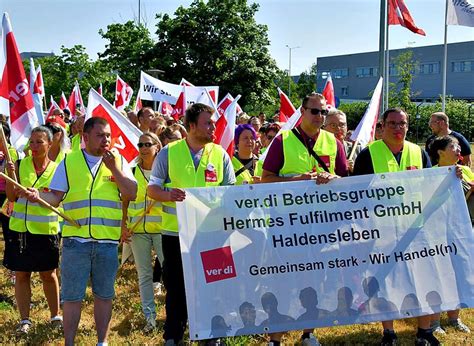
x=140 y=219
x=42 y=201
x=354 y=146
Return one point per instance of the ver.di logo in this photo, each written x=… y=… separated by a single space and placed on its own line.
x=218 y=264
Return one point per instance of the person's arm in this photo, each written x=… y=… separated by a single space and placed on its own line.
x=159 y=175
x=10 y=189
x=126 y=185
x=126 y=234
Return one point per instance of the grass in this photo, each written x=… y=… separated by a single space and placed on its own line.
x=127 y=322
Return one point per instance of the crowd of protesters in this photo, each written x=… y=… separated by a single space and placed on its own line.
x=68 y=162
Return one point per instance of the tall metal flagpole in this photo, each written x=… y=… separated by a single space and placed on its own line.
x=382 y=43
x=445 y=58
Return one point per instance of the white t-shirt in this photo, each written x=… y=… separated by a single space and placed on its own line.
x=59 y=182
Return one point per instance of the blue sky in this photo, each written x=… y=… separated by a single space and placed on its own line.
x=318 y=27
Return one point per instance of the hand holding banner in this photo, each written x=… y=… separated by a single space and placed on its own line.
x=300 y=255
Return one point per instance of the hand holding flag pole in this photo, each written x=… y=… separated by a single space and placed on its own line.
x=142 y=216
x=41 y=201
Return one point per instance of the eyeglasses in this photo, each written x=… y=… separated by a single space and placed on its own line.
x=337 y=126
x=146 y=145
x=317 y=111
x=394 y=124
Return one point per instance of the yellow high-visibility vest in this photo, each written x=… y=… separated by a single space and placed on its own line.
x=151 y=223
x=297 y=159
x=93 y=202
x=76 y=142
x=384 y=161
x=32 y=217
x=183 y=174
x=243 y=178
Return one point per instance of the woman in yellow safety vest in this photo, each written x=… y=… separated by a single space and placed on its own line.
x=447 y=152
x=34 y=247
x=141 y=223
x=245 y=162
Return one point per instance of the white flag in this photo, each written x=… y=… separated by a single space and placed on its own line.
x=365 y=131
x=461 y=12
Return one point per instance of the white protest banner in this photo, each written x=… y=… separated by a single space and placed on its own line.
x=276 y=257
x=153 y=89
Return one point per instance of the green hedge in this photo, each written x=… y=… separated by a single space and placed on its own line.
x=457 y=110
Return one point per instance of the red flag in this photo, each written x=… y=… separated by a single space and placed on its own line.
x=180 y=106
x=225 y=125
x=75 y=99
x=124 y=134
x=123 y=94
x=36 y=79
x=398 y=14
x=138 y=104
x=63 y=102
x=15 y=97
x=328 y=93
x=165 y=108
x=286 y=107
x=52 y=106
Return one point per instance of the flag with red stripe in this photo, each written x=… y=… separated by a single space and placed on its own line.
x=124 y=135
x=398 y=14
x=286 y=107
x=123 y=94
x=16 y=100
x=328 y=93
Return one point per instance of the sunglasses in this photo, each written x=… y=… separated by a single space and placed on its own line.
x=146 y=145
x=317 y=111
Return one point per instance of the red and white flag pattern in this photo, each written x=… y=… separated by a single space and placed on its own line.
x=286 y=107
x=63 y=102
x=398 y=14
x=365 y=131
x=180 y=107
x=125 y=135
x=52 y=106
x=138 y=104
x=165 y=108
x=37 y=89
x=328 y=93
x=75 y=99
x=15 y=97
x=225 y=125
x=123 y=94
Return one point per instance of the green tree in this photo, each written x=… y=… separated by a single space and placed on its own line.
x=405 y=66
x=307 y=81
x=61 y=71
x=128 y=51
x=217 y=42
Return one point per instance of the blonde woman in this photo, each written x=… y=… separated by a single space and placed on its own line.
x=141 y=226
